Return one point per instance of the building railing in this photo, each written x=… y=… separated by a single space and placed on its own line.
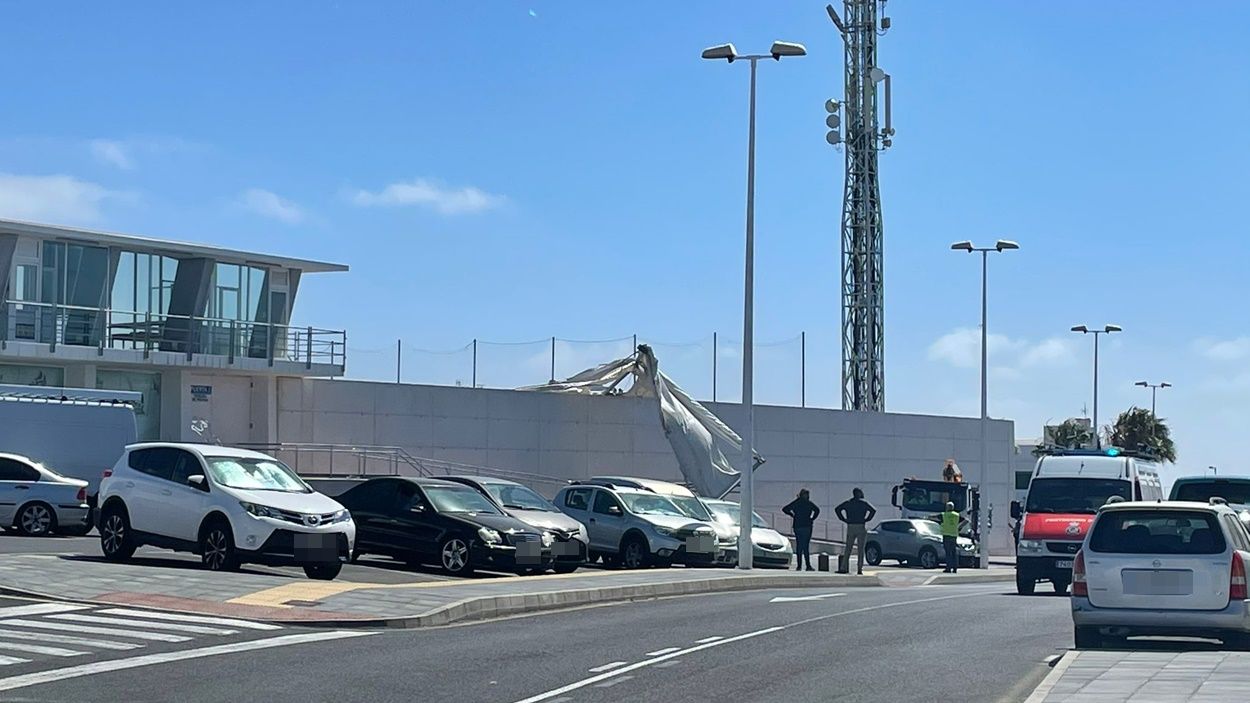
x=104 y=328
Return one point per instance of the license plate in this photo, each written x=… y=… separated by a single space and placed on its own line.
x=701 y=544
x=314 y=547
x=1063 y=563
x=1165 y=582
x=528 y=553
x=566 y=549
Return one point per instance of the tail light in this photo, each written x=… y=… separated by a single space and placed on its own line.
x=82 y=494
x=108 y=472
x=1079 y=587
x=1237 y=579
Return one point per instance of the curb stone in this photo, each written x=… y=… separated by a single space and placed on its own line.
x=1044 y=688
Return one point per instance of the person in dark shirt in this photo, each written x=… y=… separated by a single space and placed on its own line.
x=856 y=513
x=804 y=512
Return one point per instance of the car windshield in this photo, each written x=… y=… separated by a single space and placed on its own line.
x=651 y=504
x=1157 y=532
x=932 y=496
x=1202 y=491
x=518 y=497
x=1074 y=495
x=728 y=514
x=691 y=507
x=459 y=499
x=254 y=474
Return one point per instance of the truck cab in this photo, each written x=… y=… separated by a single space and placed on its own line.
x=1066 y=491
x=927 y=499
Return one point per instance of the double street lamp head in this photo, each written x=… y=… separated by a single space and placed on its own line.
x=728 y=53
x=1108 y=329
x=1147 y=384
x=1000 y=245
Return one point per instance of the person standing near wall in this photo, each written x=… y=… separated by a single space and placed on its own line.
x=856 y=513
x=804 y=513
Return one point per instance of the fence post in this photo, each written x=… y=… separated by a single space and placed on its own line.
x=271 y=343
x=475 y=363
x=308 y=349
x=553 y=358
x=147 y=334
x=233 y=343
x=803 y=369
x=399 y=358
x=191 y=339
x=713 y=367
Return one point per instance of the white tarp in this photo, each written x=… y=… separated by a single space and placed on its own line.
x=699 y=439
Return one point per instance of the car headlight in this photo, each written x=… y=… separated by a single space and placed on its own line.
x=666 y=531
x=341 y=516
x=257 y=510
x=489 y=536
x=1030 y=545
x=548 y=540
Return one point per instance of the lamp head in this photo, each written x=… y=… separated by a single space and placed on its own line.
x=785 y=48
x=962 y=246
x=1080 y=328
x=722 y=51
x=1005 y=244
x=1112 y=328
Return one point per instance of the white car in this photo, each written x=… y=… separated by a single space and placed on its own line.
x=35 y=500
x=1162 y=568
x=227 y=505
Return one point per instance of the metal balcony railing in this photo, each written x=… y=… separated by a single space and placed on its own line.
x=104 y=328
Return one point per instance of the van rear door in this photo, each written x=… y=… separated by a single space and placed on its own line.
x=1158 y=559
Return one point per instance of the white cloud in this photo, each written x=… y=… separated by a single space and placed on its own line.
x=1224 y=350
x=60 y=198
x=961 y=348
x=429 y=194
x=271 y=205
x=113 y=153
x=1047 y=352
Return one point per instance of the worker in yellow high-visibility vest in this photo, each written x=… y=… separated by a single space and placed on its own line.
x=950 y=538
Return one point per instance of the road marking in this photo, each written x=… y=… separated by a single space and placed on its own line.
x=111 y=631
x=613 y=682
x=705 y=640
x=66 y=639
x=37 y=649
x=179 y=617
x=41 y=677
x=170 y=626
x=548 y=695
x=667 y=664
x=666 y=650
x=40 y=609
x=5 y=661
x=605 y=667
x=793 y=599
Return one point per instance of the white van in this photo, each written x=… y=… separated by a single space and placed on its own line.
x=77 y=432
x=1066 y=491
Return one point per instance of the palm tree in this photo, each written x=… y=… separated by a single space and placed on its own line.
x=1069 y=434
x=1138 y=428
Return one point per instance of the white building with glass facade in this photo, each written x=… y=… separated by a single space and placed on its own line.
x=201 y=331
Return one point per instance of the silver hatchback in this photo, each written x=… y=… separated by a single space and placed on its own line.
x=35 y=500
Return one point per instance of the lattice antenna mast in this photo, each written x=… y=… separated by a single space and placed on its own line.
x=863 y=300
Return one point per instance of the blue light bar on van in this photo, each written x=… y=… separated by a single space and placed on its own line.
x=1112 y=451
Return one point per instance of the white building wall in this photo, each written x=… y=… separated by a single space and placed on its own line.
x=568 y=437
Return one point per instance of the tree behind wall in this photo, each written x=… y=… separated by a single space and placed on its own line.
x=1069 y=434
x=1138 y=428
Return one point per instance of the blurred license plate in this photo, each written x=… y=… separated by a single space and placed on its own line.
x=1063 y=563
x=565 y=549
x=1150 y=582
x=701 y=544
x=315 y=547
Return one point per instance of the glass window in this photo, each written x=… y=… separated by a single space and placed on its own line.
x=932 y=496
x=459 y=499
x=691 y=507
x=928 y=527
x=1157 y=532
x=370 y=496
x=148 y=409
x=517 y=497
x=577 y=498
x=1202 y=491
x=648 y=504
x=185 y=466
x=32 y=376
x=255 y=474
x=11 y=470
x=1022 y=480
x=1074 y=495
x=156 y=461
x=729 y=513
x=1237 y=533
x=604 y=501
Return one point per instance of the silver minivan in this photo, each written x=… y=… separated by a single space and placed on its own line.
x=636 y=528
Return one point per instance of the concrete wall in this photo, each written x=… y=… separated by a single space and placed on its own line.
x=567 y=437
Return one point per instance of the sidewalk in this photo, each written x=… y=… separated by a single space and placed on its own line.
x=1147 y=677
x=399 y=599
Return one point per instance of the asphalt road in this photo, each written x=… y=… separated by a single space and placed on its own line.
x=884 y=644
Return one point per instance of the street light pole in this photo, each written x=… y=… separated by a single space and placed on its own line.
x=1107 y=329
x=999 y=246
x=1154 y=388
x=746 y=517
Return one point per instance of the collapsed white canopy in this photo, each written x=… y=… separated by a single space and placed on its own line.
x=699 y=438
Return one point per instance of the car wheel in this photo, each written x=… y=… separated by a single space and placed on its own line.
x=872 y=554
x=634 y=553
x=217 y=551
x=453 y=556
x=1239 y=641
x=565 y=568
x=116 y=541
x=928 y=558
x=1025 y=584
x=1087 y=638
x=323 y=572
x=1061 y=587
x=36 y=520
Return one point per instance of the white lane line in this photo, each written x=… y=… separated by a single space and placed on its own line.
x=38 y=649
x=705 y=640
x=110 y=631
x=795 y=599
x=66 y=639
x=667 y=664
x=70 y=672
x=202 y=619
x=5 y=661
x=666 y=650
x=613 y=682
x=146 y=624
x=605 y=667
x=40 y=609
x=727 y=640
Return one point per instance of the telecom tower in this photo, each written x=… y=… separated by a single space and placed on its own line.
x=863 y=311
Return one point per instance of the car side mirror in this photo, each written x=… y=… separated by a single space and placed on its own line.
x=912 y=530
x=418 y=508
x=198 y=481
x=615 y=510
x=1016 y=510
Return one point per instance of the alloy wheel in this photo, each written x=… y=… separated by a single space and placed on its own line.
x=633 y=555
x=455 y=555
x=36 y=520
x=928 y=559
x=113 y=534
x=215 y=550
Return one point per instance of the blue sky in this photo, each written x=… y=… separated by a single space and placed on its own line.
x=511 y=171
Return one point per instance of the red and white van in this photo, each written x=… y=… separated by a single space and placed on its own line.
x=1066 y=491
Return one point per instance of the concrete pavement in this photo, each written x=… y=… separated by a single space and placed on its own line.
x=1147 y=677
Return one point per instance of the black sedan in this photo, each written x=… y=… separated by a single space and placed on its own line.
x=425 y=520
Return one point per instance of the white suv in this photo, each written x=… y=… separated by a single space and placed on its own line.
x=1156 y=568
x=227 y=505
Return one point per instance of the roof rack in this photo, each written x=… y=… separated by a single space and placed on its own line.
x=55 y=394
